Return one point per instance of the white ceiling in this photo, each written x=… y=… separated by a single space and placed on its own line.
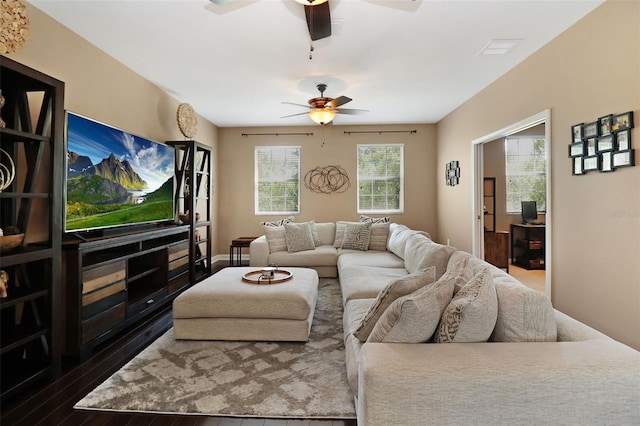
x=405 y=61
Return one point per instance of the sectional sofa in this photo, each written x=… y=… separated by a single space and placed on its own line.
x=511 y=358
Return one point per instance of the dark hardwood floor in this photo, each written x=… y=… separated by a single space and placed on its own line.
x=51 y=403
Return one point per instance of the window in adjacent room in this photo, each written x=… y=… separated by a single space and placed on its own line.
x=277 y=179
x=526 y=164
x=381 y=178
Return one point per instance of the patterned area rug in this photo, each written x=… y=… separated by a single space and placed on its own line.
x=247 y=379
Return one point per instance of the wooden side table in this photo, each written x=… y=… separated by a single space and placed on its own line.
x=235 y=249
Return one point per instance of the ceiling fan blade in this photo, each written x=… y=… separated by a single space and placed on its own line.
x=341 y=100
x=293 y=115
x=220 y=2
x=301 y=105
x=318 y=20
x=350 y=111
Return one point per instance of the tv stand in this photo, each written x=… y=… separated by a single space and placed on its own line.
x=111 y=283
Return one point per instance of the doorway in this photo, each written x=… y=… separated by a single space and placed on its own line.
x=541 y=119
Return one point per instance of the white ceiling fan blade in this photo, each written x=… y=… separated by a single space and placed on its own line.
x=220 y=2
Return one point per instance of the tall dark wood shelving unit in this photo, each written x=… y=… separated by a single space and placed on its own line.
x=30 y=322
x=193 y=183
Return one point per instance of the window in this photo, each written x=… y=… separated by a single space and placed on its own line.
x=526 y=166
x=381 y=178
x=277 y=179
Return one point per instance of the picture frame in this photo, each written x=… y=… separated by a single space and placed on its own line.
x=576 y=149
x=606 y=162
x=591 y=147
x=578 y=168
x=576 y=132
x=622 y=121
x=623 y=139
x=590 y=130
x=604 y=125
x=452 y=173
x=605 y=143
x=590 y=163
x=624 y=158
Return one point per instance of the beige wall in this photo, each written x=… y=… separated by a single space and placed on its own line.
x=590 y=70
x=101 y=88
x=328 y=146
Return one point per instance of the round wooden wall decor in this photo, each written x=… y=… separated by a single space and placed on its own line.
x=15 y=25
x=187 y=120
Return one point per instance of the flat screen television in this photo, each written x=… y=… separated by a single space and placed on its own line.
x=114 y=178
x=529 y=211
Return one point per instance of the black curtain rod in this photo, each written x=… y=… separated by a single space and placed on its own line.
x=277 y=134
x=380 y=131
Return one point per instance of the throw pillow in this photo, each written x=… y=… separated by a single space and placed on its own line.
x=393 y=290
x=298 y=237
x=379 y=236
x=356 y=236
x=314 y=234
x=471 y=315
x=275 y=238
x=364 y=218
x=278 y=222
x=340 y=227
x=415 y=317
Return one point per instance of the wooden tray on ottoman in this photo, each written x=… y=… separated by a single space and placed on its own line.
x=256 y=277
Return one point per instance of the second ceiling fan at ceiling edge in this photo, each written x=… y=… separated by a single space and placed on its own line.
x=317 y=13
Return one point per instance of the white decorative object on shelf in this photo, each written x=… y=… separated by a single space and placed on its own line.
x=187 y=120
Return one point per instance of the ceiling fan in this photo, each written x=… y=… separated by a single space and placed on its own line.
x=323 y=110
x=317 y=14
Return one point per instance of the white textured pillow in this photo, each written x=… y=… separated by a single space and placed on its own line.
x=415 y=317
x=524 y=315
x=278 y=222
x=298 y=237
x=314 y=234
x=275 y=238
x=393 y=290
x=356 y=236
x=379 y=236
x=471 y=315
x=341 y=225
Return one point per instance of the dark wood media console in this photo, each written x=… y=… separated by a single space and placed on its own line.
x=110 y=283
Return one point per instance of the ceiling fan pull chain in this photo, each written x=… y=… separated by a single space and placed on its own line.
x=311 y=50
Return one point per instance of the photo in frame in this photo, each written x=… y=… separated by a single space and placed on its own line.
x=606 y=161
x=576 y=132
x=591 y=147
x=577 y=166
x=622 y=140
x=590 y=130
x=576 y=149
x=591 y=163
x=624 y=158
x=622 y=121
x=604 y=125
x=604 y=143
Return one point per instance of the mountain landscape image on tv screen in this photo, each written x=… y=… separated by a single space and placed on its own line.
x=115 y=178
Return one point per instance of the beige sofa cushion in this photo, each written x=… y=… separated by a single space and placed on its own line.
x=394 y=290
x=379 y=236
x=326 y=232
x=275 y=238
x=471 y=315
x=398 y=235
x=415 y=317
x=421 y=253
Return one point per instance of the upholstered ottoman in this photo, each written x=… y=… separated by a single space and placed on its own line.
x=224 y=307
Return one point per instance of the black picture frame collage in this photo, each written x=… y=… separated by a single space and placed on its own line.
x=452 y=173
x=603 y=145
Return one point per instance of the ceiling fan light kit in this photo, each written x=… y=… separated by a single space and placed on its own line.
x=322 y=115
x=311 y=2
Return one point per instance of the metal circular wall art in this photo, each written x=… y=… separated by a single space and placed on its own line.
x=328 y=179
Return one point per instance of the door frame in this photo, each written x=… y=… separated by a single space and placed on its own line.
x=543 y=117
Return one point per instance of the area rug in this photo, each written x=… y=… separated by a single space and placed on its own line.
x=238 y=379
